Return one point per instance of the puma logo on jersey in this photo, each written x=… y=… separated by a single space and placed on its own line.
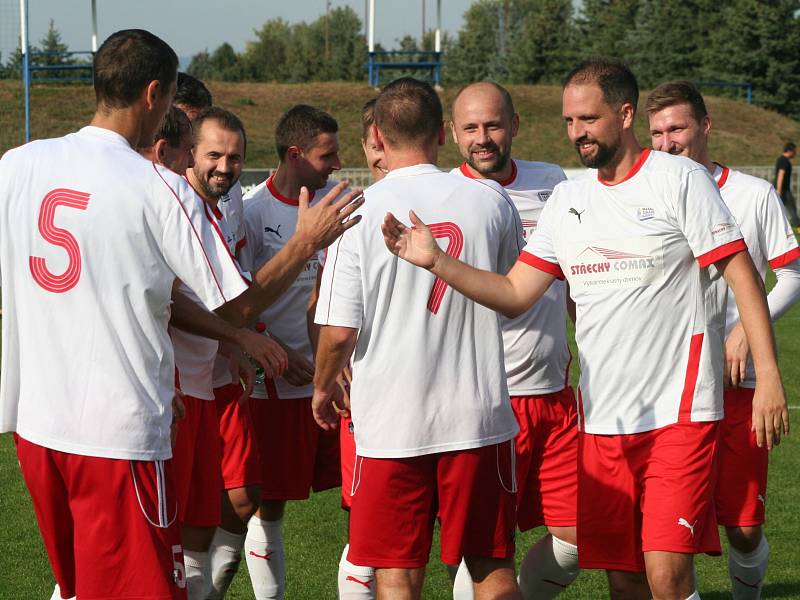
x=684 y=523
x=275 y=231
x=572 y=211
x=760 y=498
x=265 y=556
x=364 y=583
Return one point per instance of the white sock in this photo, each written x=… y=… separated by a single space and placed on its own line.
x=224 y=556
x=747 y=571
x=355 y=582
x=265 y=558
x=196 y=570
x=694 y=596
x=463 y=588
x=548 y=568
x=57 y=594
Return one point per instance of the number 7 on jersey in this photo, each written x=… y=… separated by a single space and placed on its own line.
x=455 y=245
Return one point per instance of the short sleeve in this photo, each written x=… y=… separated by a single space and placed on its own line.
x=778 y=241
x=340 y=300
x=702 y=216
x=540 y=252
x=513 y=241
x=194 y=250
x=246 y=252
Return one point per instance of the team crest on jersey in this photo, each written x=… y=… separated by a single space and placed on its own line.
x=645 y=213
x=544 y=195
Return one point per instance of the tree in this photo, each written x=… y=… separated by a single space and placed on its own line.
x=53 y=53
x=475 y=55
x=604 y=25
x=541 y=43
x=761 y=52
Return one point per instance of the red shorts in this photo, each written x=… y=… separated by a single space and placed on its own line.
x=347 y=443
x=240 y=464
x=547 y=459
x=296 y=454
x=742 y=483
x=643 y=492
x=109 y=526
x=396 y=500
x=195 y=462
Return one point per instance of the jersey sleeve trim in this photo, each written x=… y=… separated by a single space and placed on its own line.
x=196 y=234
x=721 y=252
x=785 y=259
x=543 y=265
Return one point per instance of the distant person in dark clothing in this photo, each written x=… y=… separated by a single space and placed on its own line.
x=783 y=181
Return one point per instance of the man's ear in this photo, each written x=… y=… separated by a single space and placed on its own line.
x=376 y=133
x=159 y=150
x=151 y=93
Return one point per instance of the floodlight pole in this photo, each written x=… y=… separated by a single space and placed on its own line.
x=94 y=26
x=26 y=71
x=371 y=43
x=438 y=37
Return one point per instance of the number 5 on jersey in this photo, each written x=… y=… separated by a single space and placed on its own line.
x=455 y=244
x=58 y=237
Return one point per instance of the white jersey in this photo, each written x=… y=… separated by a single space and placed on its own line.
x=537 y=356
x=93 y=237
x=428 y=371
x=270 y=220
x=230 y=216
x=770 y=240
x=650 y=315
x=196 y=356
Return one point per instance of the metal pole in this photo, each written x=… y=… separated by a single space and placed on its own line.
x=26 y=72
x=422 y=39
x=437 y=43
x=94 y=25
x=371 y=29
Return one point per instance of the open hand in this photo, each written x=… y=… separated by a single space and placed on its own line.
x=414 y=244
x=324 y=405
x=736 y=352
x=319 y=225
x=770 y=412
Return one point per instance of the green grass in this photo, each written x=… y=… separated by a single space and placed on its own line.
x=743 y=134
x=315 y=530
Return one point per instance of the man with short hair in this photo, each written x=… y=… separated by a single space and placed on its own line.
x=634 y=238
x=172 y=145
x=191 y=95
x=537 y=357
x=680 y=124
x=783 y=181
x=296 y=456
x=433 y=426
x=88 y=294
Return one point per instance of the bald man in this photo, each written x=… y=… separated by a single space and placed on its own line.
x=537 y=357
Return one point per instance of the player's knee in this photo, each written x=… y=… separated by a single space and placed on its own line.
x=406 y=583
x=271 y=510
x=744 y=539
x=481 y=567
x=245 y=501
x=668 y=582
x=624 y=585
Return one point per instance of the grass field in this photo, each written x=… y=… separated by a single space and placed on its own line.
x=315 y=530
x=743 y=134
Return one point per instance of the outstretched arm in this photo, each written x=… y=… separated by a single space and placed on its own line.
x=770 y=412
x=510 y=294
x=317 y=228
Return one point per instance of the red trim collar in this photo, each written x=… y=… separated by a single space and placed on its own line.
x=723 y=177
x=634 y=169
x=277 y=195
x=464 y=168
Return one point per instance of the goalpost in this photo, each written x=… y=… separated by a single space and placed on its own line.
x=28 y=67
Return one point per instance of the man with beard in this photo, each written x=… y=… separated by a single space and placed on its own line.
x=680 y=124
x=296 y=456
x=537 y=357
x=219 y=147
x=634 y=238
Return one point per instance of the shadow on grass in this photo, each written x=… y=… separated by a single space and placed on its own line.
x=785 y=589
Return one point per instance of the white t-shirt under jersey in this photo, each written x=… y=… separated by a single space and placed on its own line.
x=537 y=356
x=270 y=220
x=770 y=240
x=650 y=316
x=93 y=237
x=428 y=372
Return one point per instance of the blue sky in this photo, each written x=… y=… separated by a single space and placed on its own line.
x=193 y=26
